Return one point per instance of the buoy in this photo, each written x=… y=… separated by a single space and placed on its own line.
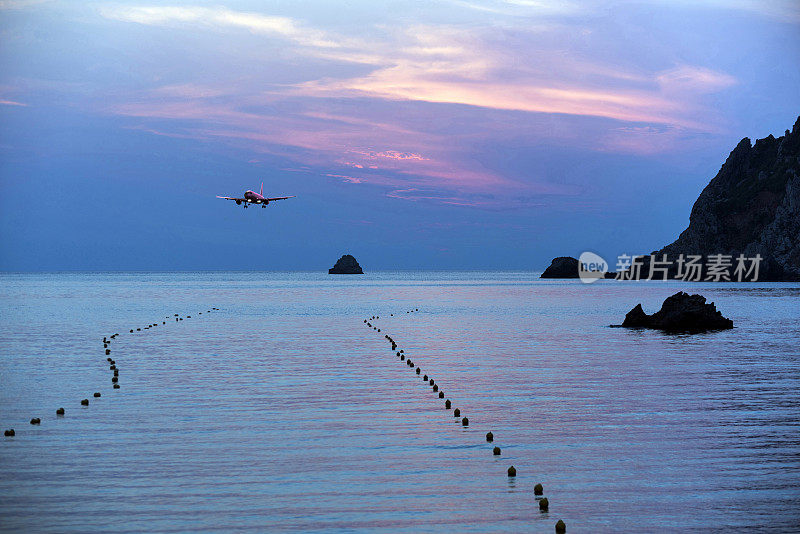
x=8 y=433
x=456 y=412
x=105 y=345
x=447 y=404
x=114 y=379
x=425 y=378
x=430 y=382
x=96 y=394
x=496 y=451
x=138 y=329
x=35 y=421
x=401 y=350
x=85 y=402
x=465 y=421
x=116 y=372
x=108 y=351
x=441 y=394
x=163 y=322
x=112 y=367
x=131 y=331
x=116 y=386
x=108 y=360
x=60 y=411
x=512 y=471
x=561 y=528
x=489 y=437
x=402 y=356
x=435 y=388
x=543 y=504
x=418 y=370
x=538 y=489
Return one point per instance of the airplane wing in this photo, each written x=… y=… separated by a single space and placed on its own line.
x=232 y=198
x=280 y=198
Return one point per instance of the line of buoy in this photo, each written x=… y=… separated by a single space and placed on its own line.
x=538 y=489
x=60 y=412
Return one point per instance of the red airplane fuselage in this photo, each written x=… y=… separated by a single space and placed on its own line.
x=252 y=196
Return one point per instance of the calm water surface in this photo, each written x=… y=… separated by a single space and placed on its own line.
x=283 y=412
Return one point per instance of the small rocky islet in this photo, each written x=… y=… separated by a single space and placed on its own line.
x=347 y=264
x=680 y=313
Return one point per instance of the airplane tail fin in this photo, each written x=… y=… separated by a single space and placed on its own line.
x=262 y=189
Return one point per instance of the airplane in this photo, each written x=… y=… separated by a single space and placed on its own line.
x=251 y=197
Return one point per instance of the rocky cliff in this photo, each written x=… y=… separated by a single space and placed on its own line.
x=752 y=206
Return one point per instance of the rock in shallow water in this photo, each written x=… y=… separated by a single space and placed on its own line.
x=680 y=313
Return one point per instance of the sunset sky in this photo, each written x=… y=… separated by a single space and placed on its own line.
x=440 y=135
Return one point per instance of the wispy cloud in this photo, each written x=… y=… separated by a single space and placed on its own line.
x=284 y=27
x=21 y=4
x=449 y=65
x=329 y=121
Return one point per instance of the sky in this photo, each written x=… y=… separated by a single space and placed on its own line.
x=453 y=134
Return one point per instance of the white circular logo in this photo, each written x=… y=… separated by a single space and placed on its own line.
x=591 y=267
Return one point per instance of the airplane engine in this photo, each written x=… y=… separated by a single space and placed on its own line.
x=238 y=202
x=266 y=202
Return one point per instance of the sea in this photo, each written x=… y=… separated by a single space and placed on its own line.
x=283 y=411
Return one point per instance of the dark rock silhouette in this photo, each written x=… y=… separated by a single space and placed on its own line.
x=752 y=206
x=562 y=267
x=680 y=313
x=566 y=267
x=347 y=264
